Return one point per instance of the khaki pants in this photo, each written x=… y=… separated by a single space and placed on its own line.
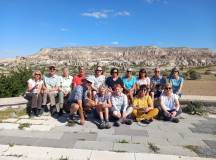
x=52 y=97
x=36 y=100
x=144 y=116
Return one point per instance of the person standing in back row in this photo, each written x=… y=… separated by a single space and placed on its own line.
x=113 y=80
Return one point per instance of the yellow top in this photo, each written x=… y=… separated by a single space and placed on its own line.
x=142 y=103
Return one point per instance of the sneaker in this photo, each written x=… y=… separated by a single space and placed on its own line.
x=145 y=121
x=53 y=110
x=36 y=111
x=72 y=117
x=40 y=111
x=175 y=120
x=107 y=125
x=45 y=108
x=60 y=113
x=117 y=123
x=128 y=121
x=102 y=125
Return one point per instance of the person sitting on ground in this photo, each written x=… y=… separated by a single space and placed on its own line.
x=65 y=87
x=176 y=81
x=103 y=103
x=120 y=109
x=143 y=109
x=78 y=99
x=99 y=79
x=51 y=90
x=143 y=79
x=170 y=107
x=78 y=79
x=113 y=80
x=129 y=84
x=34 y=91
x=157 y=84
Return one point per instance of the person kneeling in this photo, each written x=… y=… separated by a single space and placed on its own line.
x=103 y=103
x=143 y=109
x=78 y=99
x=120 y=109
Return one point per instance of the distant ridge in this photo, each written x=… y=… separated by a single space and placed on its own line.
x=122 y=56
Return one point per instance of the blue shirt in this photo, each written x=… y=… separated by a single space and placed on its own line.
x=158 y=83
x=78 y=93
x=176 y=83
x=129 y=84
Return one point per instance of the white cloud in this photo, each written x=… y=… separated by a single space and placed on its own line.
x=156 y=1
x=106 y=13
x=64 y=29
x=115 y=42
x=97 y=15
x=122 y=13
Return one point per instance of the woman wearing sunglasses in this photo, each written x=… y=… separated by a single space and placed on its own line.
x=170 y=107
x=176 y=81
x=34 y=92
x=143 y=109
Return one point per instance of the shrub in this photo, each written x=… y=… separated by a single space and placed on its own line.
x=193 y=74
x=15 y=83
x=195 y=108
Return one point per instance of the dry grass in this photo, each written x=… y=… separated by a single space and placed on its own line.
x=10 y=112
x=199 y=87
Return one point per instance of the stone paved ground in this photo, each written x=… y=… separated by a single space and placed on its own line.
x=193 y=136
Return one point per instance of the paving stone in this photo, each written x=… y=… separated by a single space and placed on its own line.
x=113 y=138
x=82 y=136
x=8 y=126
x=211 y=144
x=32 y=121
x=139 y=139
x=158 y=141
x=10 y=120
x=127 y=147
x=31 y=134
x=49 y=143
x=45 y=153
x=174 y=150
x=93 y=145
x=18 y=140
x=130 y=132
x=39 y=128
x=105 y=155
x=3 y=148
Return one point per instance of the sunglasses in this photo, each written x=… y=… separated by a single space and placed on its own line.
x=129 y=71
x=99 y=70
x=52 y=69
x=175 y=71
x=168 y=88
x=157 y=71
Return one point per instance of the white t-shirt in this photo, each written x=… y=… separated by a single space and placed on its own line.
x=98 y=81
x=145 y=81
x=33 y=83
x=66 y=83
x=169 y=102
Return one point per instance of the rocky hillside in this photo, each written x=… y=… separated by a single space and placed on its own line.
x=123 y=56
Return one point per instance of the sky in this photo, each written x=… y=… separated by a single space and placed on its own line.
x=26 y=26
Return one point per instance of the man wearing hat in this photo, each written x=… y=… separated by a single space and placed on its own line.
x=51 y=89
x=78 y=98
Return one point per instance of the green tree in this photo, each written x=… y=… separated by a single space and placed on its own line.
x=15 y=83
